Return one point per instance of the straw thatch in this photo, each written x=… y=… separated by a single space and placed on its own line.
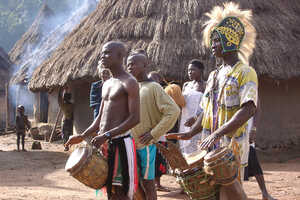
x=51 y=33
x=33 y=36
x=5 y=68
x=28 y=43
x=170 y=32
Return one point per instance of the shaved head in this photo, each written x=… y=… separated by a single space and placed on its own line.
x=139 y=58
x=136 y=65
x=112 y=55
x=117 y=46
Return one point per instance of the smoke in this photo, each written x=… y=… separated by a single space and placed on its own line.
x=53 y=33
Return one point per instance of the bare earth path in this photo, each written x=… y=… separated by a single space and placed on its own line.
x=40 y=175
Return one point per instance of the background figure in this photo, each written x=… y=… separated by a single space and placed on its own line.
x=192 y=92
x=174 y=92
x=96 y=90
x=67 y=109
x=22 y=124
x=158 y=115
x=254 y=168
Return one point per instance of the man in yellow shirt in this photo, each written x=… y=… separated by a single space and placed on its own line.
x=158 y=114
x=174 y=91
x=230 y=97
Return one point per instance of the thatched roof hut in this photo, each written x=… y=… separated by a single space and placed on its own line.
x=50 y=31
x=24 y=47
x=5 y=69
x=33 y=36
x=170 y=31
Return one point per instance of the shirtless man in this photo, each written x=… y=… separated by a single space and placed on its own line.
x=119 y=112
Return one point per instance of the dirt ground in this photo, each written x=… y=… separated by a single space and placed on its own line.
x=40 y=175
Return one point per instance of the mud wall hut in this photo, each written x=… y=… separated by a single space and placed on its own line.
x=170 y=32
x=5 y=70
x=42 y=38
x=22 y=54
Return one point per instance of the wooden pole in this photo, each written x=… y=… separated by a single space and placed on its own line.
x=56 y=122
x=7 y=106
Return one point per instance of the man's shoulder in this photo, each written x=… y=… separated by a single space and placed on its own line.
x=152 y=85
x=246 y=69
x=128 y=82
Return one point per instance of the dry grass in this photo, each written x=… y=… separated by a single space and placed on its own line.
x=171 y=33
x=5 y=67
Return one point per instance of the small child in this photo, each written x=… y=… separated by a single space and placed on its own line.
x=22 y=124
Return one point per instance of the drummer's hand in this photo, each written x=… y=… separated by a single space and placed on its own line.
x=209 y=141
x=179 y=136
x=189 y=122
x=75 y=139
x=146 y=138
x=98 y=140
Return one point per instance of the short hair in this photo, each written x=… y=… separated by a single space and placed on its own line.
x=138 y=51
x=156 y=73
x=197 y=63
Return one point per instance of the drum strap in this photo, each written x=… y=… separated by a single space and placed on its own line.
x=119 y=144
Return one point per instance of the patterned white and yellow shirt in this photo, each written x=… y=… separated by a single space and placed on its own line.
x=228 y=88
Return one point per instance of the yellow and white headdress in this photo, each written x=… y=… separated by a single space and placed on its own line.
x=234 y=28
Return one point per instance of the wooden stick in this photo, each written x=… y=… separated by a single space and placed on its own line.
x=56 y=122
x=7 y=106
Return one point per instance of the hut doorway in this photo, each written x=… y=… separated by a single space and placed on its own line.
x=44 y=104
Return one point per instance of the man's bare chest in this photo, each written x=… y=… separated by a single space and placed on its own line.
x=114 y=91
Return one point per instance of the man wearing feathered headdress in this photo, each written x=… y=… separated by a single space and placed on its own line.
x=230 y=97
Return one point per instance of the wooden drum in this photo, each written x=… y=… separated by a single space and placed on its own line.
x=196 y=183
x=88 y=166
x=222 y=164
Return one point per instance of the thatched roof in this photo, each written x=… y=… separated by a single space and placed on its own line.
x=28 y=43
x=33 y=36
x=5 y=67
x=170 y=32
x=49 y=41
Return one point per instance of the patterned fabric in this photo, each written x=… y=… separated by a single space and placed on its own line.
x=192 y=99
x=231 y=31
x=160 y=163
x=122 y=165
x=228 y=88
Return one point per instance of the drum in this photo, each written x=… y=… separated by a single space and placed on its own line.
x=88 y=166
x=222 y=164
x=196 y=183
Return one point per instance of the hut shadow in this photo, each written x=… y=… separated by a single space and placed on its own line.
x=30 y=168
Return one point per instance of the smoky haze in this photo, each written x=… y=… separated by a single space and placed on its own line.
x=57 y=27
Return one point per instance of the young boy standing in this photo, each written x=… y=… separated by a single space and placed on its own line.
x=22 y=124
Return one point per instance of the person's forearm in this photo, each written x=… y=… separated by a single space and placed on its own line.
x=197 y=127
x=94 y=127
x=238 y=119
